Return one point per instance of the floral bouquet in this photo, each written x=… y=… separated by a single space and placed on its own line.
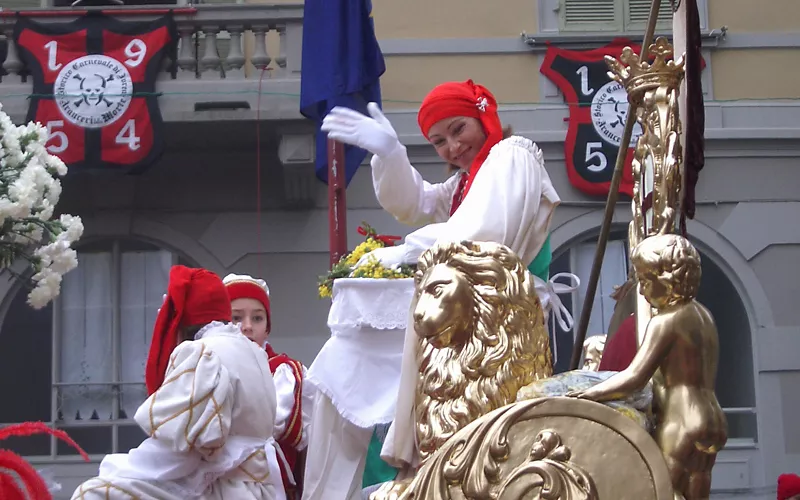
x=346 y=267
x=29 y=192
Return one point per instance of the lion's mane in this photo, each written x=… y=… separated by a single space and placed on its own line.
x=507 y=349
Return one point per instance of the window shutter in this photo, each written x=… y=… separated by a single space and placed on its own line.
x=20 y=4
x=591 y=15
x=637 y=12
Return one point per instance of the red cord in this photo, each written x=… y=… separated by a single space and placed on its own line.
x=258 y=176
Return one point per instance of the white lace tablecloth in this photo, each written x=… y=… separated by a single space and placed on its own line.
x=358 y=368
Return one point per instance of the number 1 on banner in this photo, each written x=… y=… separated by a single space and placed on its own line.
x=52 y=50
x=127 y=135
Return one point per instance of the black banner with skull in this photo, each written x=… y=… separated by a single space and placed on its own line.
x=94 y=88
x=598 y=108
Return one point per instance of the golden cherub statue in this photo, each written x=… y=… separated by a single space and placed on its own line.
x=681 y=350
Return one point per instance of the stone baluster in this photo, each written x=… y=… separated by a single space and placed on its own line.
x=13 y=64
x=211 y=63
x=166 y=67
x=260 y=57
x=187 y=63
x=281 y=59
x=234 y=62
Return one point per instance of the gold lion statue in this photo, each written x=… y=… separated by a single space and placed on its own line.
x=482 y=336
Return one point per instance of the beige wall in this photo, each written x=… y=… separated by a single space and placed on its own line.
x=447 y=18
x=756 y=73
x=749 y=16
x=453 y=18
x=511 y=78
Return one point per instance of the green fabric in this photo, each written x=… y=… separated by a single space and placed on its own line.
x=541 y=264
x=376 y=470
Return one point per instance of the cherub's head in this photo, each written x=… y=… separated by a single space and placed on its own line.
x=668 y=269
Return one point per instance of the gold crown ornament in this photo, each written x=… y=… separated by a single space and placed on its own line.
x=640 y=76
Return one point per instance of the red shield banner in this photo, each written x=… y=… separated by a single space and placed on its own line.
x=94 y=88
x=598 y=108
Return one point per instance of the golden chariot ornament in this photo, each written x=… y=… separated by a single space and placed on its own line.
x=480 y=338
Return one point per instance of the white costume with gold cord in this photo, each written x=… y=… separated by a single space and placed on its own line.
x=511 y=202
x=210 y=426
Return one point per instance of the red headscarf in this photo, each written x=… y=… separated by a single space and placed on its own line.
x=463 y=99
x=246 y=287
x=194 y=297
x=788 y=486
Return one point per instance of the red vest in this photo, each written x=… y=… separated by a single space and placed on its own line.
x=621 y=349
x=290 y=438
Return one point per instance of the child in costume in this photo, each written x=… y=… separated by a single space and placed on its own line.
x=788 y=487
x=210 y=412
x=251 y=311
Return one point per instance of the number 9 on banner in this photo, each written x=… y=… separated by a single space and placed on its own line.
x=135 y=51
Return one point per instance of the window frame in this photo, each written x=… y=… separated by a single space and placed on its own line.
x=114 y=247
x=621 y=23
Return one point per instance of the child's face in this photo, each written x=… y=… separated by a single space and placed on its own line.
x=654 y=291
x=252 y=318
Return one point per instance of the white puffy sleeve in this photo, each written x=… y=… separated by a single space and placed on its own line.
x=403 y=192
x=192 y=408
x=511 y=202
x=292 y=404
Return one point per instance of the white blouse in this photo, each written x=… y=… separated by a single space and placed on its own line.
x=511 y=200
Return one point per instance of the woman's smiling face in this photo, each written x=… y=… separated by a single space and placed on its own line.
x=457 y=140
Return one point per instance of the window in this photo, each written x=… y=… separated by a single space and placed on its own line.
x=79 y=363
x=610 y=15
x=21 y=4
x=735 y=377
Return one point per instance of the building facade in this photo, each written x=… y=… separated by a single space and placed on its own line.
x=235 y=192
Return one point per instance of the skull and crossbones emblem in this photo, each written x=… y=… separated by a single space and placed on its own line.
x=620 y=110
x=93 y=89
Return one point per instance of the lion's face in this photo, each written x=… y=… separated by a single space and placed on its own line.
x=443 y=311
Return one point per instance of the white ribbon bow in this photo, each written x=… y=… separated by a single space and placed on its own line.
x=552 y=289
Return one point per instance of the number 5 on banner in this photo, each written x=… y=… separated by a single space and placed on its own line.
x=58 y=135
x=594 y=151
x=127 y=135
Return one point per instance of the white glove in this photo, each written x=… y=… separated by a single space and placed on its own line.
x=388 y=256
x=375 y=134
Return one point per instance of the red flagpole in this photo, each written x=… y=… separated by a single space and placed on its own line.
x=337 y=201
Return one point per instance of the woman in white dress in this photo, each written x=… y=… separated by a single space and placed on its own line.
x=500 y=192
x=210 y=412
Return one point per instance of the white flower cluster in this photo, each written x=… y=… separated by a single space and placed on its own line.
x=29 y=192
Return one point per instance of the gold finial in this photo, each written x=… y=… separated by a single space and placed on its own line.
x=640 y=76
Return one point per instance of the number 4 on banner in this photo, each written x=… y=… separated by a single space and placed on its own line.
x=128 y=136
